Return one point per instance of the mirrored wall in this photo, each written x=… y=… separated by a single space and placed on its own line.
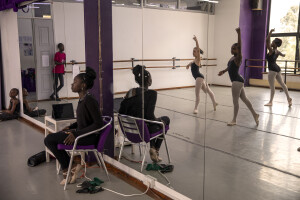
x=52 y=53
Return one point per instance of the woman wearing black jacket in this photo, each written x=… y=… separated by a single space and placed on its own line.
x=88 y=119
x=132 y=105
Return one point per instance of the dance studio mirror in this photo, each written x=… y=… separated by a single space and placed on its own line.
x=52 y=52
x=159 y=34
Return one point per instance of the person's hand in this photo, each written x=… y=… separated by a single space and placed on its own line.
x=283 y=55
x=238 y=30
x=66 y=128
x=195 y=38
x=272 y=30
x=70 y=139
x=221 y=73
x=187 y=67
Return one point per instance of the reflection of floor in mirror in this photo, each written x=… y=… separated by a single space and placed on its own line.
x=20 y=141
x=241 y=162
x=47 y=105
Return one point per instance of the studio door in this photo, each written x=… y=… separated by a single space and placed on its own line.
x=44 y=47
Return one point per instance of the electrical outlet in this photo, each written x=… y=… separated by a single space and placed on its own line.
x=149 y=180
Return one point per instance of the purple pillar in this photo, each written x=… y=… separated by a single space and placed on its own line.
x=92 y=56
x=254 y=26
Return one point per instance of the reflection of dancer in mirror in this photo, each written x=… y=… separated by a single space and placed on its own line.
x=31 y=112
x=237 y=80
x=132 y=106
x=13 y=110
x=200 y=82
x=58 y=71
x=274 y=69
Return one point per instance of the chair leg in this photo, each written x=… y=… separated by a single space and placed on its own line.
x=69 y=170
x=103 y=164
x=144 y=156
x=121 y=150
x=167 y=149
x=140 y=149
x=98 y=160
x=58 y=166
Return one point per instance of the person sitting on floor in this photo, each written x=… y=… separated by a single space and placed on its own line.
x=13 y=110
x=132 y=106
x=88 y=119
x=28 y=110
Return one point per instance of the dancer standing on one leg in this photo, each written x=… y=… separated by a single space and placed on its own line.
x=274 y=69
x=200 y=82
x=237 y=80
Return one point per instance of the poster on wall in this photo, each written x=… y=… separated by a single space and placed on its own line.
x=27 y=49
x=45 y=61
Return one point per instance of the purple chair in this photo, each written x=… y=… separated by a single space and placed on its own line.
x=136 y=131
x=97 y=149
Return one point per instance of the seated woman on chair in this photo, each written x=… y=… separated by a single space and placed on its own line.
x=132 y=106
x=13 y=110
x=88 y=119
x=31 y=112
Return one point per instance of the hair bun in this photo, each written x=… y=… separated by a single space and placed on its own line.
x=90 y=73
x=138 y=69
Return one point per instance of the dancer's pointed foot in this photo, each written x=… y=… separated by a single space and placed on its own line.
x=269 y=104
x=290 y=102
x=233 y=123
x=215 y=106
x=195 y=111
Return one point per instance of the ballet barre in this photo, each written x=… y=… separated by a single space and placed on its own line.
x=287 y=70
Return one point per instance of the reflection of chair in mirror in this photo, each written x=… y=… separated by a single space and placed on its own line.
x=97 y=150
x=136 y=131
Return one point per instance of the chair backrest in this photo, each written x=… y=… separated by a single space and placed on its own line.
x=104 y=133
x=135 y=130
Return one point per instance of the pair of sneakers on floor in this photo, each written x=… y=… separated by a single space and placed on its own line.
x=154 y=155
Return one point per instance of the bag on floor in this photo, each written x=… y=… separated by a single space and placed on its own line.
x=36 y=159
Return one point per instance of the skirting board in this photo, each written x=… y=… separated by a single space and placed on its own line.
x=265 y=83
x=139 y=176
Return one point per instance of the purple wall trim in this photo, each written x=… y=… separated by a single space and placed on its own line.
x=92 y=56
x=8 y=4
x=254 y=26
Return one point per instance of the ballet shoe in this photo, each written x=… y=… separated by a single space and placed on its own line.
x=153 y=155
x=215 y=106
x=231 y=123
x=159 y=159
x=195 y=111
x=256 y=118
x=73 y=176
x=269 y=104
x=290 y=102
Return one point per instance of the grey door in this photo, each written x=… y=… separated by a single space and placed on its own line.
x=44 y=49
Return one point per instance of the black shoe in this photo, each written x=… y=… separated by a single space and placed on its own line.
x=57 y=99
x=52 y=97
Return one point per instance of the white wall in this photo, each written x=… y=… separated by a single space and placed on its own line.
x=226 y=21
x=68 y=22
x=158 y=34
x=10 y=52
x=25 y=29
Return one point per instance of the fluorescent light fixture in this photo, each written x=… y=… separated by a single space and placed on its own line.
x=153 y=5
x=136 y=4
x=120 y=4
x=47 y=16
x=34 y=7
x=213 y=1
x=113 y=1
x=79 y=0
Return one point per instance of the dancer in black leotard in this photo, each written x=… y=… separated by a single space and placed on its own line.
x=274 y=69
x=200 y=82
x=237 y=81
